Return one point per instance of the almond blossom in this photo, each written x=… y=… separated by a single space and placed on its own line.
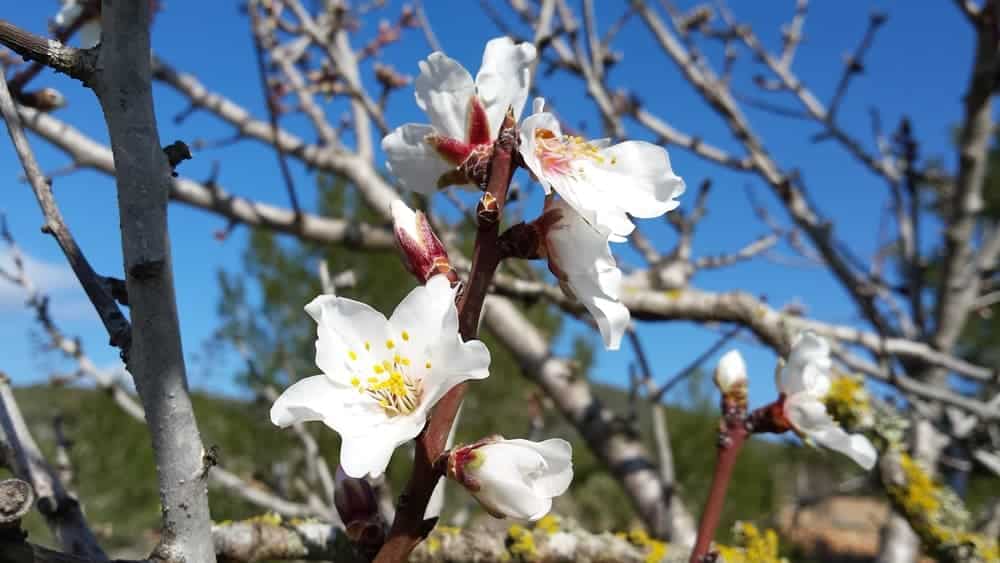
x=465 y=117
x=514 y=478
x=604 y=184
x=381 y=377
x=580 y=257
x=803 y=382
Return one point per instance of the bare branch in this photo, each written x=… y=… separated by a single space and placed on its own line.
x=107 y=309
x=61 y=510
x=76 y=63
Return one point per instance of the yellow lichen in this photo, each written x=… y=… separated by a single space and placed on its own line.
x=271 y=518
x=433 y=544
x=521 y=543
x=753 y=546
x=938 y=516
x=920 y=492
x=673 y=293
x=548 y=524
x=847 y=401
x=656 y=550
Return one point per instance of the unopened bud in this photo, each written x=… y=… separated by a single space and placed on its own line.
x=423 y=254
x=358 y=508
x=513 y=478
x=731 y=375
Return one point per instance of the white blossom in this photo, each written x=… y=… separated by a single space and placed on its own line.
x=514 y=478
x=381 y=377
x=731 y=372
x=581 y=259
x=465 y=116
x=804 y=381
x=604 y=184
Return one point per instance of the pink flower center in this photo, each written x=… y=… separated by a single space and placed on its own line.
x=558 y=153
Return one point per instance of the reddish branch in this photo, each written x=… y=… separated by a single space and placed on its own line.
x=734 y=429
x=733 y=433
x=409 y=528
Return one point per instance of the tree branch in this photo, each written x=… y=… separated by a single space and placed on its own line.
x=156 y=361
x=21 y=454
x=76 y=63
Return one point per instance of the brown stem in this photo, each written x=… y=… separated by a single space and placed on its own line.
x=732 y=435
x=21 y=79
x=409 y=528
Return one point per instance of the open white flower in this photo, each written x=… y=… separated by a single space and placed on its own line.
x=605 y=184
x=89 y=31
x=515 y=478
x=581 y=259
x=381 y=377
x=465 y=116
x=804 y=381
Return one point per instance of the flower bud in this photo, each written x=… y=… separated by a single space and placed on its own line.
x=731 y=374
x=423 y=254
x=358 y=508
x=515 y=478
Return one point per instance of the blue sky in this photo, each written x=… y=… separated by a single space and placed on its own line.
x=918 y=68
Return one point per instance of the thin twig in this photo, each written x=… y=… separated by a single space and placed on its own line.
x=114 y=321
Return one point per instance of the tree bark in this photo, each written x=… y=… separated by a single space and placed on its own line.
x=155 y=359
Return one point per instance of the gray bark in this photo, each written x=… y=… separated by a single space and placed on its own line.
x=156 y=361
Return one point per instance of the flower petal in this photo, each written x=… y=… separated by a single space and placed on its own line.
x=412 y=160
x=443 y=90
x=504 y=79
x=646 y=185
x=309 y=399
x=369 y=453
x=422 y=313
x=731 y=371
x=345 y=326
x=809 y=416
x=808 y=367
x=454 y=361
x=505 y=487
x=528 y=145
x=558 y=456
x=583 y=256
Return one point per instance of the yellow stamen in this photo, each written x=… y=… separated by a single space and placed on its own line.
x=427 y=365
x=390 y=344
x=406 y=335
x=355 y=381
x=405 y=361
x=368 y=345
x=352 y=355
x=378 y=369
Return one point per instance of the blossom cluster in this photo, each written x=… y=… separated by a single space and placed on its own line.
x=381 y=377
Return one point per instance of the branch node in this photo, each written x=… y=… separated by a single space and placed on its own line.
x=147 y=269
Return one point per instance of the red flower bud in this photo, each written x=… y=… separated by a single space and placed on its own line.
x=358 y=508
x=423 y=254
